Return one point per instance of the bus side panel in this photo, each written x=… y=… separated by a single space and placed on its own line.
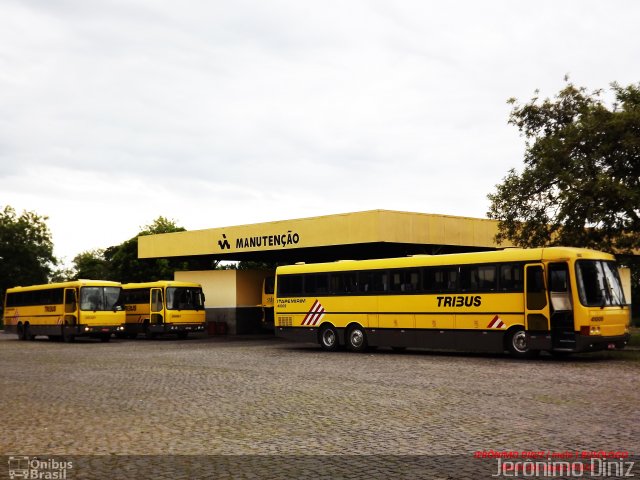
x=436 y=339
x=436 y=321
x=42 y=319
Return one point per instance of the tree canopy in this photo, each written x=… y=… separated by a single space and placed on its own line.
x=26 y=249
x=581 y=180
x=121 y=263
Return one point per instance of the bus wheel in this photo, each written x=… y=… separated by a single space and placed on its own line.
x=27 y=333
x=357 y=339
x=20 y=329
x=66 y=337
x=329 y=338
x=147 y=330
x=517 y=344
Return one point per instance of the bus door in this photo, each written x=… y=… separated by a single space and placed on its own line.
x=562 y=321
x=536 y=309
x=156 y=308
x=70 y=306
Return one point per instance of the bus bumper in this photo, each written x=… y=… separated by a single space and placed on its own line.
x=94 y=331
x=176 y=327
x=593 y=343
x=298 y=334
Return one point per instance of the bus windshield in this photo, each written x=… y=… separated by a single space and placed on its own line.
x=185 y=298
x=100 y=299
x=599 y=283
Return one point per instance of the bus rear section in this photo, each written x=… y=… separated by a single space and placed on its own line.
x=66 y=310
x=163 y=307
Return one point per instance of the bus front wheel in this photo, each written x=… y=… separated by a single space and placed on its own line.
x=67 y=337
x=329 y=338
x=357 y=339
x=517 y=344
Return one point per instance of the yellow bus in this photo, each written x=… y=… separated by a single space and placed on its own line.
x=521 y=300
x=66 y=310
x=267 y=302
x=163 y=307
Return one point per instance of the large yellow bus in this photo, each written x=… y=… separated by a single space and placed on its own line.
x=520 y=300
x=66 y=310
x=163 y=307
x=267 y=302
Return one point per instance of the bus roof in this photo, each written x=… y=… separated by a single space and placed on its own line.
x=71 y=284
x=160 y=284
x=496 y=256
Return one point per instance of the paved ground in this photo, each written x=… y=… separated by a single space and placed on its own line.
x=264 y=396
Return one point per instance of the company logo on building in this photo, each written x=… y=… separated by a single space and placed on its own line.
x=283 y=240
x=224 y=243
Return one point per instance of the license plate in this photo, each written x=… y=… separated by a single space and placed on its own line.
x=611 y=346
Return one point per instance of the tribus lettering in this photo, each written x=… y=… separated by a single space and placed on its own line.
x=460 y=301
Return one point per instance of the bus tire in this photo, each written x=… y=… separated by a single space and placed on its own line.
x=28 y=336
x=328 y=338
x=66 y=337
x=516 y=343
x=356 y=339
x=20 y=330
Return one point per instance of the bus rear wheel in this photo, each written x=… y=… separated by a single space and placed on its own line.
x=356 y=339
x=26 y=333
x=329 y=338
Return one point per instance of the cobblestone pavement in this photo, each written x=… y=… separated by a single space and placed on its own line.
x=265 y=396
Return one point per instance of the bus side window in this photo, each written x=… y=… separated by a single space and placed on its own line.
x=316 y=284
x=381 y=281
x=290 y=285
x=511 y=277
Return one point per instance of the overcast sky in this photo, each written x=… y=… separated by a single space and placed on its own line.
x=218 y=113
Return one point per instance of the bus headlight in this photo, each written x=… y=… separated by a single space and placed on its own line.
x=592 y=330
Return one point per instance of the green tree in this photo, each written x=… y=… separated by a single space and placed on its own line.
x=580 y=184
x=125 y=266
x=91 y=264
x=26 y=249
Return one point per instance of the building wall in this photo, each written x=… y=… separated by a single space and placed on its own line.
x=231 y=296
x=219 y=286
